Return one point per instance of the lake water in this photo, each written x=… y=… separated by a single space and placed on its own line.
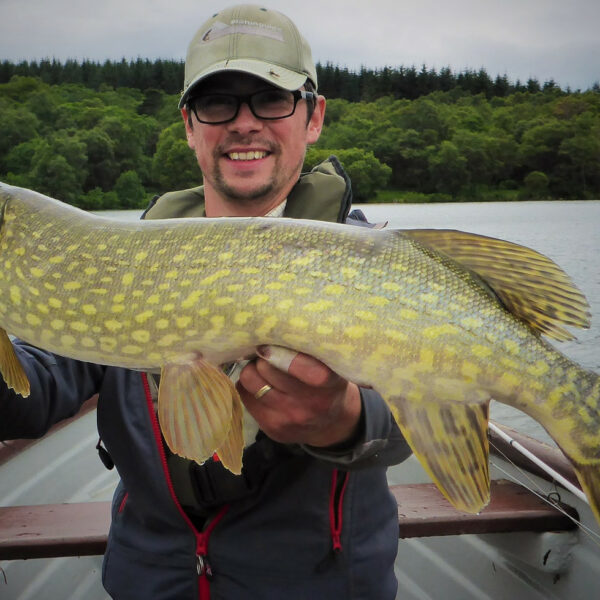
x=567 y=232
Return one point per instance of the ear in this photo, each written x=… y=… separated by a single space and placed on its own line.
x=315 y=125
x=189 y=132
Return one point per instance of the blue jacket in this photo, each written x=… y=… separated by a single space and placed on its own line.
x=315 y=524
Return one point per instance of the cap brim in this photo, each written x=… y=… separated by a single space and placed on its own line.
x=273 y=74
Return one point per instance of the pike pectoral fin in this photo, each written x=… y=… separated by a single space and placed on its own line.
x=450 y=441
x=589 y=478
x=196 y=411
x=230 y=452
x=11 y=368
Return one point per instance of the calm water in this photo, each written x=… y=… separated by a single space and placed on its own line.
x=567 y=232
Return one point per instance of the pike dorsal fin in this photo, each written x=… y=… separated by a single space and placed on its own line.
x=530 y=285
x=450 y=441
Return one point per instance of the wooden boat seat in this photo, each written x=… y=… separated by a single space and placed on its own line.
x=81 y=529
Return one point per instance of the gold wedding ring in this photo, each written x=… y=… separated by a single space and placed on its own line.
x=263 y=390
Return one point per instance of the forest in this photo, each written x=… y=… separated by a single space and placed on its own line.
x=109 y=135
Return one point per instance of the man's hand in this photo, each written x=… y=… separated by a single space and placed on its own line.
x=308 y=404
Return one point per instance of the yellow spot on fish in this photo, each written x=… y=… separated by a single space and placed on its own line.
x=334 y=289
x=318 y=306
x=303 y=260
x=108 y=344
x=391 y=286
x=87 y=342
x=266 y=326
x=285 y=304
x=36 y=272
x=395 y=335
x=144 y=316
x=408 y=314
x=429 y=298
x=118 y=298
x=57 y=324
x=113 y=325
x=72 y=285
x=49 y=286
x=258 y=299
x=241 y=318
x=33 y=319
x=287 y=277
x=68 y=340
x=439 y=330
x=168 y=340
x=324 y=329
x=89 y=309
x=349 y=272
x=223 y=301
x=127 y=279
x=99 y=291
x=90 y=270
x=366 y=315
x=472 y=322
x=55 y=260
x=355 y=331
x=481 y=351
x=19 y=251
x=141 y=335
x=43 y=308
x=141 y=256
x=15 y=294
x=298 y=323
x=192 y=299
x=274 y=285
x=117 y=308
x=183 y=322
x=131 y=349
x=215 y=277
x=469 y=370
x=226 y=256
x=217 y=321
x=512 y=347
x=377 y=300
x=162 y=323
x=79 y=326
x=153 y=299
x=302 y=291
x=250 y=270
x=539 y=369
x=169 y=307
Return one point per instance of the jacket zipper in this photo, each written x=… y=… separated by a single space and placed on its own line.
x=202 y=565
x=339 y=483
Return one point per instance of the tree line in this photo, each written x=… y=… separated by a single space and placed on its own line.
x=114 y=146
x=365 y=84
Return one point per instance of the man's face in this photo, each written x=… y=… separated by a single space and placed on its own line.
x=250 y=164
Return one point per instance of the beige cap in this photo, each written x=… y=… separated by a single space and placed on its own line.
x=251 y=39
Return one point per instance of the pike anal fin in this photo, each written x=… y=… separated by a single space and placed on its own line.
x=11 y=368
x=450 y=441
x=199 y=412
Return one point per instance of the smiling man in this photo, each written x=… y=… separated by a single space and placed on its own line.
x=311 y=515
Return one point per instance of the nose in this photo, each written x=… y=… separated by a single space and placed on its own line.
x=245 y=122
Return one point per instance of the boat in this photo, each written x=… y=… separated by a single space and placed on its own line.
x=537 y=539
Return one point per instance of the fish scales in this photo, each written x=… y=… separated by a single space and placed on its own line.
x=387 y=309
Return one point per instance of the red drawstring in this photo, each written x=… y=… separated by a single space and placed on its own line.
x=336 y=501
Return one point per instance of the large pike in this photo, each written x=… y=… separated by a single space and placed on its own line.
x=439 y=322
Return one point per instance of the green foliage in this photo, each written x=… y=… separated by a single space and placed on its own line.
x=110 y=135
x=366 y=173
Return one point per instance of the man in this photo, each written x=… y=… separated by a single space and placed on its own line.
x=311 y=515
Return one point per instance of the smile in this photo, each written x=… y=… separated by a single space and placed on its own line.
x=252 y=155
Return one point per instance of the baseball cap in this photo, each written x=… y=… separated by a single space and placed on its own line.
x=250 y=39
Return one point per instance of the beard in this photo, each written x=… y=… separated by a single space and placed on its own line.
x=277 y=182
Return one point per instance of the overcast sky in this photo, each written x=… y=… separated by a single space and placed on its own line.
x=544 y=39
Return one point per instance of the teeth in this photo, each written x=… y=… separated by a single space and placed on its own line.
x=252 y=155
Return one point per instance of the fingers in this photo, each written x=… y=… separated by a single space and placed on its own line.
x=303 y=367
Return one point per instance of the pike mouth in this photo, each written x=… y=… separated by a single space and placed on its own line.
x=251 y=155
